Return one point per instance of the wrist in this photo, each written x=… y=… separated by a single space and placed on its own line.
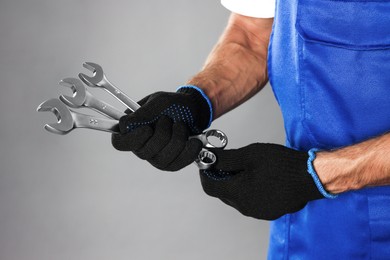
x=318 y=182
x=203 y=103
x=357 y=166
x=336 y=172
x=203 y=81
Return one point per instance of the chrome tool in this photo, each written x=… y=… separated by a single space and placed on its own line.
x=83 y=98
x=69 y=119
x=207 y=158
x=100 y=80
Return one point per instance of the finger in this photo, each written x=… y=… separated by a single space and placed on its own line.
x=219 y=188
x=133 y=140
x=172 y=150
x=147 y=114
x=132 y=121
x=188 y=155
x=161 y=137
x=229 y=160
x=218 y=175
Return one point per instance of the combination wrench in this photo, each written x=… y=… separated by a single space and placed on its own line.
x=69 y=119
x=83 y=98
x=205 y=158
x=100 y=80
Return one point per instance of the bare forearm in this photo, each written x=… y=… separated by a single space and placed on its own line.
x=356 y=166
x=237 y=67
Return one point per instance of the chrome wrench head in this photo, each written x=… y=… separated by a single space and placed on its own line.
x=100 y=80
x=205 y=159
x=98 y=77
x=79 y=92
x=83 y=98
x=64 y=116
x=69 y=119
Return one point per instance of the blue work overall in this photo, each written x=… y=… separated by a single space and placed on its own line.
x=329 y=67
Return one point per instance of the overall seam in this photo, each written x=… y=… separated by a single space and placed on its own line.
x=302 y=82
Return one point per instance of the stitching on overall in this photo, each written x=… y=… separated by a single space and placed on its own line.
x=302 y=86
x=302 y=81
x=356 y=47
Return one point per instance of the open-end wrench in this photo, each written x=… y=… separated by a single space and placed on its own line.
x=100 y=80
x=82 y=98
x=205 y=158
x=69 y=119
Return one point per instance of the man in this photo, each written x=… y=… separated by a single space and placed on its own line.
x=329 y=65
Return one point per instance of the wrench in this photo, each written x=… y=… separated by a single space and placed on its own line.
x=205 y=158
x=69 y=119
x=83 y=98
x=100 y=80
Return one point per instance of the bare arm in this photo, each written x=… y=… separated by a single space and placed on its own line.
x=236 y=69
x=356 y=166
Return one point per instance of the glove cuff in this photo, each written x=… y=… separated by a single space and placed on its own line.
x=204 y=103
x=314 y=175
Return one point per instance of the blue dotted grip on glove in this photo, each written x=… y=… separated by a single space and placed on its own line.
x=205 y=97
x=180 y=113
x=176 y=113
x=218 y=175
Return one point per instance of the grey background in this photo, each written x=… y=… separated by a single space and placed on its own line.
x=74 y=196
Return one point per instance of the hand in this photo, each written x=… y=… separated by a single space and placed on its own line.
x=263 y=181
x=158 y=131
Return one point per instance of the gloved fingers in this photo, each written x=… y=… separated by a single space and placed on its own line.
x=228 y=160
x=148 y=113
x=161 y=137
x=141 y=103
x=174 y=148
x=187 y=156
x=133 y=140
x=222 y=188
x=237 y=206
x=226 y=169
x=218 y=175
x=235 y=191
x=140 y=117
x=244 y=158
x=144 y=100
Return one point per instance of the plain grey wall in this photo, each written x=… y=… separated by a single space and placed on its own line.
x=74 y=196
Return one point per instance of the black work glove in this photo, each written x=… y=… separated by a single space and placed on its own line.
x=158 y=131
x=263 y=181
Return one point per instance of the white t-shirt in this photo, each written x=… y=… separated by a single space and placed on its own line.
x=253 y=8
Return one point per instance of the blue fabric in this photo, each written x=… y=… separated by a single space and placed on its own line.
x=329 y=67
